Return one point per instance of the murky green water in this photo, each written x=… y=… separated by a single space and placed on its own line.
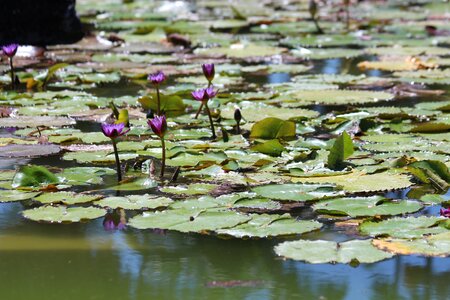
x=83 y=261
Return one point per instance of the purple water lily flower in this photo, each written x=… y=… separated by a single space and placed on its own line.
x=445 y=212
x=114 y=130
x=10 y=50
x=204 y=94
x=159 y=125
x=211 y=92
x=200 y=95
x=157 y=78
x=208 y=71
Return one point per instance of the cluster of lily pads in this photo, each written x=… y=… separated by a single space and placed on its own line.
x=364 y=151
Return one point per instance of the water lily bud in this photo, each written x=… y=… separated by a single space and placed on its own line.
x=208 y=71
x=158 y=125
x=237 y=115
x=10 y=50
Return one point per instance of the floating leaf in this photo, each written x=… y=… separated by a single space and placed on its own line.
x=273 y=128
x=271 y=147
x=29 y=150
x=15 y=195
x=320 y=252
x=188 y=220
x=296 y=192
x=406 y=228
x=191 y=189
x=366 y=206
x=135 y=202
x=66 y=198
x=271 y=225
x=434 y=245
x=63 y=214
x=336 y=97
x=242 y=51
x=358 y=181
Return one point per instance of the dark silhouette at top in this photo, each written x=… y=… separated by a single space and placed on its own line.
x=39 y=22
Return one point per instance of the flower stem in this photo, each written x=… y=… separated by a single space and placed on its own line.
x=13 y=76
x=116 y=154
x=158 y=109
x=163 y=160
x=210 y=120
x=201 y=105
x=319 y=30
x=347 y=13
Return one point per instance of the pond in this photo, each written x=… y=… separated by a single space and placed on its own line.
x=333 y=185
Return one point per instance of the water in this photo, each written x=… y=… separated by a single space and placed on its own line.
x=83 y=261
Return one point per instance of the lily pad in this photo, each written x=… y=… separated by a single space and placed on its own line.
x=15 y=195
x=405 y=228
x=263 y=226
x=242 y=51
x=320 y=252
x=191 y=189
x=296 y=192
x=135 y=202
x=358 y=181
x=63 y=214
x=272 y=128
x=188 y=220
x=434 y=245
x=337 y=97
x=366 y=206
x=67 y=198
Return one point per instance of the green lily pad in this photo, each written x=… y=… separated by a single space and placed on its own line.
x=255 y=111
x=336 y=97
x=321 y=252
x=296 y=192
x=63 y=214
x=191 y=189
x=135 y=202
x=67 y=198
x=271 y=147
x=434 y=245
x=15 y=195
x=263 y=226
x=357 y=181
x=97 y=156
x=188 y=220
x=405 y=228
x=241 y=51
x=366 y=206
x=273 y=128
x=84 y=175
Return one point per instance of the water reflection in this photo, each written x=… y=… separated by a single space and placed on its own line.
x=133 y=264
